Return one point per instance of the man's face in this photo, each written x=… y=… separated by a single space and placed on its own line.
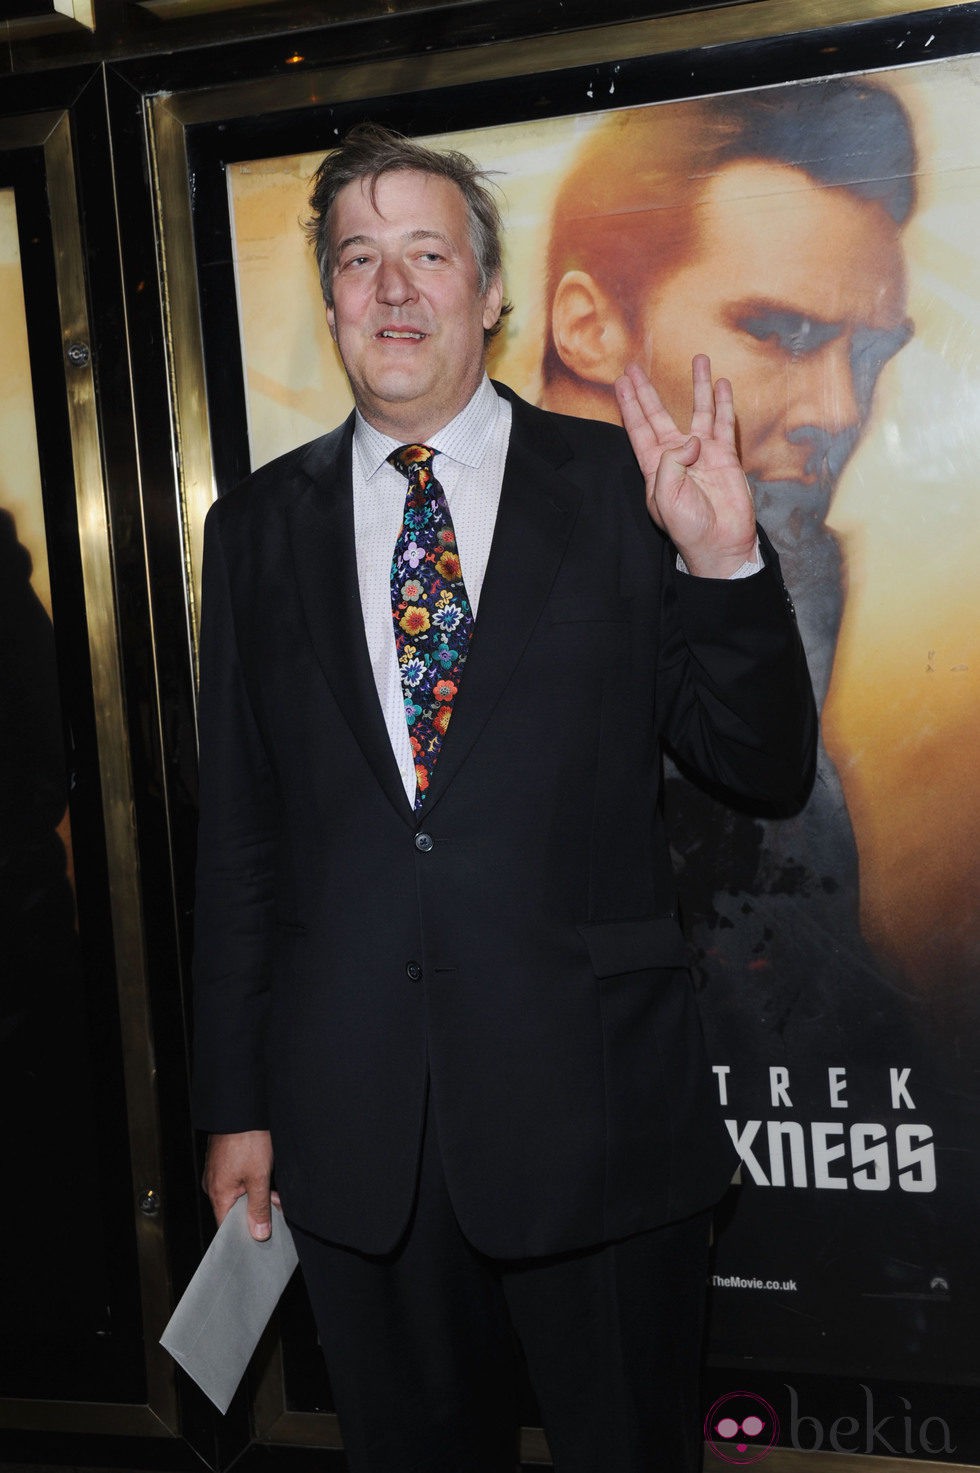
x=408 y=315
x=797 y=293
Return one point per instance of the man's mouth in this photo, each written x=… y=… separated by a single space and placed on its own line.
x=402 y=334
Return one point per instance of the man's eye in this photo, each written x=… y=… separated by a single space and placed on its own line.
x=790 y=331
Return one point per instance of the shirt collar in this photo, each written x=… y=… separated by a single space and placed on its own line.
x=465 y=438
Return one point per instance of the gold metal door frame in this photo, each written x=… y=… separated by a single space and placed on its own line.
x=169 y=115
x=158 y=1415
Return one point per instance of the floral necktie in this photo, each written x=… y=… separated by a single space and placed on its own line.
x=432 y=614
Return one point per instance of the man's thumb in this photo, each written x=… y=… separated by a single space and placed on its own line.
x=686 y=454
x=259 y=1214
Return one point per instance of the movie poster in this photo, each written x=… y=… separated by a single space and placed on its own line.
x=820 y=240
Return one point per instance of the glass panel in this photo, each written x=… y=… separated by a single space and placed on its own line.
x=837 y=260
x=60 y=1270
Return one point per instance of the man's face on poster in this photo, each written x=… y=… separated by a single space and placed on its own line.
x=797 y=293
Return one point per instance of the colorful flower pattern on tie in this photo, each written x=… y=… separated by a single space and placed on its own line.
x=432 y=615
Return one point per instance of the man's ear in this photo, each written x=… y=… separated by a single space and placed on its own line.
x=332 y=323
x=588 y=329
x=492 y=302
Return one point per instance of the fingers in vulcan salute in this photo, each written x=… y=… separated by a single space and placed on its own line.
x=696 y=489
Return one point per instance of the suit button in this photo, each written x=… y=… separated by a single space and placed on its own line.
x=424 y=842
x=413 y=971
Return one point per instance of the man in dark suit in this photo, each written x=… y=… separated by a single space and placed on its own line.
x=438 y=969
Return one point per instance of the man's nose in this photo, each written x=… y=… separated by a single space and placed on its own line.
x=395 y=286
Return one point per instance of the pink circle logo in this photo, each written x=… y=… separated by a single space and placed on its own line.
x=741 y=1428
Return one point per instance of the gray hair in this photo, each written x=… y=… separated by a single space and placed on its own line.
x=367 y=152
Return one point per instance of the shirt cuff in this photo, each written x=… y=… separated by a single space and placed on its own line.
x=754 y=564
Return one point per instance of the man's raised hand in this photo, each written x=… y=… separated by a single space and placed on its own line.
x=696 y=488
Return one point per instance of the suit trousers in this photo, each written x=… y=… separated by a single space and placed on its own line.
x=421 y=1345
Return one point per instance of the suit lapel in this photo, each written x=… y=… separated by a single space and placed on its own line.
x=321 y=525
x=538 y=506
x=537 y=510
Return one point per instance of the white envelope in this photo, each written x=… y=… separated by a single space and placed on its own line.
x=227 y=1304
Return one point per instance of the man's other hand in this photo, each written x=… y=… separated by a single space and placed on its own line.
x=696 y=488
x=238 y=1165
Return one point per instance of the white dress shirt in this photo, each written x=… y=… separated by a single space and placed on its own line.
x=471 y=454
x=472 y=451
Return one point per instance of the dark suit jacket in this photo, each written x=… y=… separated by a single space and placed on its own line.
x=553 y=1014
